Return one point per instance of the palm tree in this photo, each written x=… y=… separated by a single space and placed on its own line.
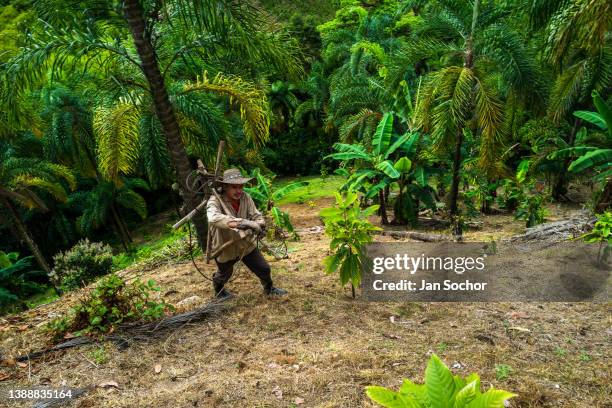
x=100 y=206
x=223 y=29
x=21 y=181
x=463 y=94
x=577 y=45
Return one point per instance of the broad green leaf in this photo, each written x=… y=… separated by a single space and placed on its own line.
x=521 y=171
x=330 y=212
x=388 y=398
x=592 y=158
x=342 y=172
x=571 y=152
x=5 y=262
x=439 y=383
x=465 y=395
x=605 y=112
x=281 y=192
x=372 y=191
x=257 y=195
x=370 y=210
x=581 y=136
x=593 y=118
x=417 y=391
x=349 y=199
x=349 y=152
x=332 y=262
x=420 y=177
x=404 y=142
x=403 y=165
x=382 y=136
x=387 y=168
x=493 y=398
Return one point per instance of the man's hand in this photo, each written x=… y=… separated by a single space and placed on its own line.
x=248 y=224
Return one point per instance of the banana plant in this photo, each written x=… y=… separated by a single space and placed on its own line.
x=265 y=200
x=597 y=156
x=376 y=170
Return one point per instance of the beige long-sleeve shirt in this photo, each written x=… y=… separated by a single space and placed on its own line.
x=222 y=233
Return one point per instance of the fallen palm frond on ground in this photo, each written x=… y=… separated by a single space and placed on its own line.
x=139 y=330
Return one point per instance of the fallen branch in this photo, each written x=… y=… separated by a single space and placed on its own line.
x=419 y=236
x=75 y=393
x=558 y=230
x=137 y=330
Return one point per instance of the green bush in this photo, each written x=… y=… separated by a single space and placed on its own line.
x=112 y=302
x=602 y=233
x=350 y=230
x=81 y=264
x=17 y=281
x=441 y=389
x=524 y=196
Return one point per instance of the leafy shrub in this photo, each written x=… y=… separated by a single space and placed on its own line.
x=81 y=264
x=441 y=389
x=111 y=303
x=350 y=230
x=602 y=233
x=524 y=196
x=16 y=281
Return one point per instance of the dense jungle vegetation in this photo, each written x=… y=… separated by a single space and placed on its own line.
x=457 y=108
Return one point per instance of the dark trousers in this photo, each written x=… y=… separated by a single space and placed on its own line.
x=254 y=261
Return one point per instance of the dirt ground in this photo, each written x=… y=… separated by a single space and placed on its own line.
x=318 y=347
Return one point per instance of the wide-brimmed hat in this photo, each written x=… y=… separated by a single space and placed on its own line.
x=233 y=176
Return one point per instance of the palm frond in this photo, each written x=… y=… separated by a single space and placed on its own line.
x=516 y=61
x=359 y=126
x=153 y=151
x=251 y=101
x=128 y=198
x=566 y=91
x=116 y=130
x=490 y=118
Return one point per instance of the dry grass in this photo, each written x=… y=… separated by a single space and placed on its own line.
x=319 y=345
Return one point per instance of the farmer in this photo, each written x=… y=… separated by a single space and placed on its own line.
x=243 y=215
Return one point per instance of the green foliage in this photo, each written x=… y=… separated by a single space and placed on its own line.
x=111 y=303
x=441 y=390
x=99 y=355
x=592 y=157
x=602 y=233
x=99 y=205
x=350 y=230
x=18 y=280
x=265 y=199
x=524 y=195
x=376 y=169
x=81 y=264
x=502 y=371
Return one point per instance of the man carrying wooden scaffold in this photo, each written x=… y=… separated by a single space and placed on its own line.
x=228 y=221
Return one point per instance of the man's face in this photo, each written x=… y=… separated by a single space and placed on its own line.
x=233 y=191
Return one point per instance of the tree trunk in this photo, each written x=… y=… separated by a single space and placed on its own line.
x=134 y=15
x=25 y=236
x=560 y=187
x=119 y=228
x=383 y=208
x=455 y=185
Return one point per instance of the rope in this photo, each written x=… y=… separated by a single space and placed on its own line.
x=235 y=273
